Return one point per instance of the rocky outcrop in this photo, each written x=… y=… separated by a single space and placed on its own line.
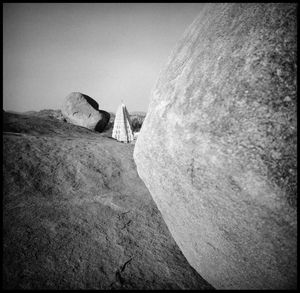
x=76 y=215
x=217 y=149
x=82 y=110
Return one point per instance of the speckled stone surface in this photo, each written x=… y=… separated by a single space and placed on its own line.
x=217 y=149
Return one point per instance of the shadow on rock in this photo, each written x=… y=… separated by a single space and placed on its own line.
x=101 y=125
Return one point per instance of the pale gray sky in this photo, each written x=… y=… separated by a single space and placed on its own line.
x=109 y=51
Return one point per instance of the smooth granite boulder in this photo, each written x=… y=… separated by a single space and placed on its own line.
x=217 y=149
x=82 y=110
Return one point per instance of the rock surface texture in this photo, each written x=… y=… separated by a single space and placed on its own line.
x=76 y=215
x=217 y=149
x=82 y=110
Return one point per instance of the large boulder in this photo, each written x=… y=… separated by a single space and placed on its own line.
x=82 y=110
x=217 y=149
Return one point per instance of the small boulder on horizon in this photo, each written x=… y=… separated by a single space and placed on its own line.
x=82 y=110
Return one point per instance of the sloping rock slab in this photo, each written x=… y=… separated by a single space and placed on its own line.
x=77 y=216
x=217 y=149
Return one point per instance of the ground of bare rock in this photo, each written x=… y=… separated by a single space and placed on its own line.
x=77 y=216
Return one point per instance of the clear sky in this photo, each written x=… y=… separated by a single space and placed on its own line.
x=109 y=51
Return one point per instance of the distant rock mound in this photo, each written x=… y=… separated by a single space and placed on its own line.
x=218 y=147
x=47 y=113
x=138 y=113
x=82 y=110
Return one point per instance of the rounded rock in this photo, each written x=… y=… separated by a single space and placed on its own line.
x=82 y=110
x=219 y=142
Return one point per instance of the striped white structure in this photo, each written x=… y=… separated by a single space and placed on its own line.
x=122 y=130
